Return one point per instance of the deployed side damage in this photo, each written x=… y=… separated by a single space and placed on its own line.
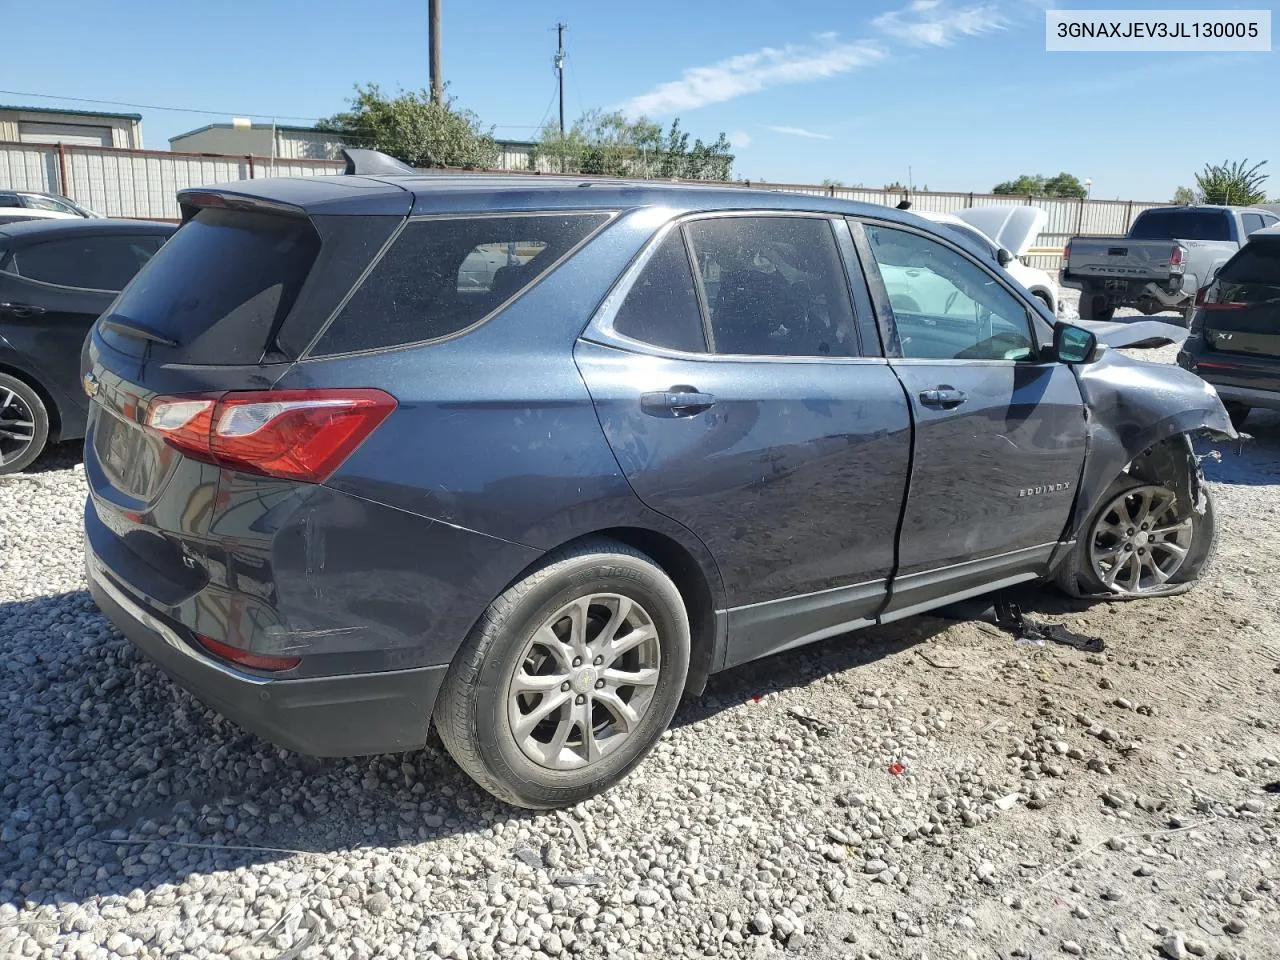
x=1143 y=521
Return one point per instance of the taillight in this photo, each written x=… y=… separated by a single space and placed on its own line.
x=247 y=658
x=1177 y=259
x=292 y=434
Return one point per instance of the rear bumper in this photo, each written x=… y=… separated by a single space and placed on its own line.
x=342 y=716
x=1247 y=396
x=1247 y=380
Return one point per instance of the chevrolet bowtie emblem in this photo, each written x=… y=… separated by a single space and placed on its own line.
x=90 y=384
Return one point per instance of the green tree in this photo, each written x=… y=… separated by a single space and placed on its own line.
x=610 y=144
x=896 y=186
x=1064 y=185
x=1233 y=183
x=410 y=127
x=1184 y=196
x=1027 y=185
x=1024 y=186
x=828 y=182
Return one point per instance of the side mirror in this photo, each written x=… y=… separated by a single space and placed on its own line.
x=1004 y=257
x=1072 y=344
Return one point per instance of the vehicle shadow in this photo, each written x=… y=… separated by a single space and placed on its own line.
x=57 y=456
x=100 y=749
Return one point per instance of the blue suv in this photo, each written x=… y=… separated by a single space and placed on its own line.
x=531 y=458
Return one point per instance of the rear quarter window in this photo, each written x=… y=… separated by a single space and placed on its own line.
x=440 y=277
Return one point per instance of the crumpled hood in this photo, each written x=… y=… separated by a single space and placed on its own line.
x=1014 y=227
x=1131 y=397
x=1134 y=333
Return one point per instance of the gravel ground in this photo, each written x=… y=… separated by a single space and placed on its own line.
x=932 y=789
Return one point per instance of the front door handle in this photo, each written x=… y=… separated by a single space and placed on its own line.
x=943 y=397
x=21 y=309
x=679 y=401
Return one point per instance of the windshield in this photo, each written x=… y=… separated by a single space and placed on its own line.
x=1181 y=225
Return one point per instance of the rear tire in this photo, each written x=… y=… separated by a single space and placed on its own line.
x=535 y=706
x=24 y=425
x=1089 y=309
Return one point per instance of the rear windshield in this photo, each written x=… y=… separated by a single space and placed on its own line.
x=1181 y=225
x=441 y=276
x=1257 y=262
x=219 y=286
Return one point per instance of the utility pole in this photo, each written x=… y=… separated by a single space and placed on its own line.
x=560 y=29
x=437 y=71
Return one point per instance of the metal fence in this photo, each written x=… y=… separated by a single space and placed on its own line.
x=144 y=183
x=135 y=183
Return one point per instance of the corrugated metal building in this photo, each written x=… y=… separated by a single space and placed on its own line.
x=84 y=128
x=254 y=139
x=305 y=143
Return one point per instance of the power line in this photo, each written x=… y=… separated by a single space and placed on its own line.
x=152 y=106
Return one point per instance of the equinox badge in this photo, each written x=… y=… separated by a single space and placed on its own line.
x=1046 y=489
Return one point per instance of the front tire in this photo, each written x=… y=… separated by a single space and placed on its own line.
x=1140 y=543
x=569 y=678
x=24 y=425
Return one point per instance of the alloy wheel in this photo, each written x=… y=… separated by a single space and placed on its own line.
x=585 y=681
x=1139 y=542
x=17 y=426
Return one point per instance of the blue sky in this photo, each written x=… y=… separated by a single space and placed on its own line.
x=961 y=92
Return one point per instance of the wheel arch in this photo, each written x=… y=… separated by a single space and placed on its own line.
x=43 y=392
x=693 y=572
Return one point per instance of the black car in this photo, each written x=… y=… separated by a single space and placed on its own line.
x=1234 y=342
x=529 y=458
x=56 y=277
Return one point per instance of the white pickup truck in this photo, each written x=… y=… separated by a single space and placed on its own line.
x=1168 y=254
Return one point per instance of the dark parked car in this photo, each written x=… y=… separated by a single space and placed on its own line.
x=1234 y=342
x=56 y=277
x=337 y=489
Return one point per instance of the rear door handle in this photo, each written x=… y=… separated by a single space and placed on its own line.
x=679 y=401
x=21 y=309
x=943 y=398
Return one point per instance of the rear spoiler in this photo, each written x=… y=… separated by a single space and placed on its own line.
x=373 y=163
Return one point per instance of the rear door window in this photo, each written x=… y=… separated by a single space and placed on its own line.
x=92 y=263
x=661 y=307
x=220 y=284
x=1181 y=225
x=442 y=276
x=1251 y=222
x=774 y=286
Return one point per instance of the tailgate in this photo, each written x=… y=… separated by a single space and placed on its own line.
x=1120 y=257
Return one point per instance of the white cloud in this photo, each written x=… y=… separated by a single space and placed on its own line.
x=800 y=132
x=739 y=139
x=936 y=23
x=752 y=72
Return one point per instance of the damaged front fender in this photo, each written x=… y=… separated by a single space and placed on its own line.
x=1132 y=406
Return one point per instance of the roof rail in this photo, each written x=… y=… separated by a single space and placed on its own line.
x=373 y=163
